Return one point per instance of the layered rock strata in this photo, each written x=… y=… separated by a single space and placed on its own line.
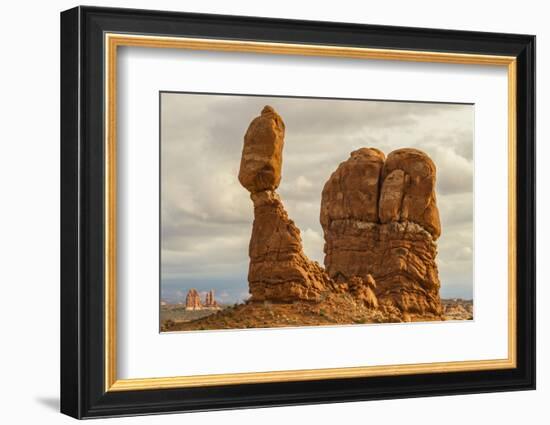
x=363 y=290
x=380 y=218
x=279 y=270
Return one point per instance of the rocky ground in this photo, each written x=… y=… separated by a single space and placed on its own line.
x=334 y=309
x=178 y=313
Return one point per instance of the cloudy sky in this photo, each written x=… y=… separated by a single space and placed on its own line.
x=206 y=215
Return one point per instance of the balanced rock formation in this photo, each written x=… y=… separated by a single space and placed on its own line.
x=279 y=270
x=193 y=300
x=262 y=156
x=380 y=218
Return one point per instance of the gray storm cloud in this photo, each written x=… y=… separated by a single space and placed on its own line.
x=206 y=215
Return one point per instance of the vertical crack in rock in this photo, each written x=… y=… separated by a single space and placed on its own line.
x=380 y=220
x=415 y=187
x=279 y=270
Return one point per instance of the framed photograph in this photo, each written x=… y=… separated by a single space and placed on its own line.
x=261 y=212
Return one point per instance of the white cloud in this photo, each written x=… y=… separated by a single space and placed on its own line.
x=303 y=183
x=313 y=243
x=455 y=173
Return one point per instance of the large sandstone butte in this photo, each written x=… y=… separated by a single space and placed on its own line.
x=380 y=218
x=279 y=270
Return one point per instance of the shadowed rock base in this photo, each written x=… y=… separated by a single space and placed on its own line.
x=279 y=270
x=400 y=257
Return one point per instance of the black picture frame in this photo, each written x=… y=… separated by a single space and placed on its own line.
x=83 y=392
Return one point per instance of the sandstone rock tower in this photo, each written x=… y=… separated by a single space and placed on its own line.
x=279 y=270
x=193 y=300
x=210 y=301
x=380 y=220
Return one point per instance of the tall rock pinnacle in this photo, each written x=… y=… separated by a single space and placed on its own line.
x=279 y=270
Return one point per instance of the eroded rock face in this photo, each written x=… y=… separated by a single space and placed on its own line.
x=353 y=189
x=396 y=246
x=262 y=155
x=193 y=300
x=408 y=190
x=279 y=270
x=380 y=220
x=363 y=290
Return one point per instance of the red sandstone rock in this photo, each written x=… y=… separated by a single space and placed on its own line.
x=279 y=270
x=408 y=190
x=394 y=246
x=353 y=189
x=380 y=221
x=391 y=196
x=193 y=300
x=363 y=290
x=210 y=301
x=262 y=154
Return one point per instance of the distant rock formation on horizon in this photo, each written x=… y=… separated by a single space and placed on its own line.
x=193 y=300
x=210 y=301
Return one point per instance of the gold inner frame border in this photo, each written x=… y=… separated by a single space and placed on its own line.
x=113 y=40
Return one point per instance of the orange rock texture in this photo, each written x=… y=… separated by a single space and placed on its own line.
x=279 y=270
x=380 y=218
x=380 y=221
x=262 y=156
x=408 y=190
x=363 y=290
